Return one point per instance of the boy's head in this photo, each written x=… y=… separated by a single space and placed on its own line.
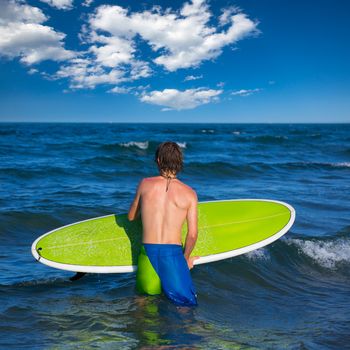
x=169 y=158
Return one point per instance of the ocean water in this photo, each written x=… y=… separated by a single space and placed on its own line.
x=293 y=294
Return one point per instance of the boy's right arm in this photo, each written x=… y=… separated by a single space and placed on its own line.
x=192 y=230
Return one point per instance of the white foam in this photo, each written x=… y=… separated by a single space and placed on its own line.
x=182 y=144
x=328 y=164
x=341 y=165
x=325 y=253
x=207 y=131
x=236 y=132
x=141 y=145
x=258 y=254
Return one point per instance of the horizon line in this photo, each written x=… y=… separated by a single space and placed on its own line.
x=154 y=122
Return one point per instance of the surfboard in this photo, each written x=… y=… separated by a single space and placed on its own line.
x=111 y=243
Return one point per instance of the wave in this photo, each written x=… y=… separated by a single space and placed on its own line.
x=182 y=144
x=317 y=165
x=123 y=163
x=38 y=282
x=137 y=145
x=140 y=145
x=42 y=171
x=6 y=132
x=265 y=139
x=341 y=165
x=345 y=151
x=221 y=169
x=290 y=254
x=259 y=254
x=119 y=161
x=328 y=253
x=145 y=144
x=227 y=168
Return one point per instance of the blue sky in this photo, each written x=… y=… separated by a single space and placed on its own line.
x=174 y=61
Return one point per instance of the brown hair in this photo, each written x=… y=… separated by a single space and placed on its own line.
x=169 y=157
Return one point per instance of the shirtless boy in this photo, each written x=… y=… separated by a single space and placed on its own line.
x=164 y=203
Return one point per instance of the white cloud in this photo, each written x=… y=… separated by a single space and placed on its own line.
x=120 y=90
x=179 y=39
x=139 y=69
x=244 y=92
x=113 y=52
x=135 y=90
x=84 y=73
x=108 y=60
x=193 y=77
x=23 y=35
x=32 y=71
x=60 y=4
x=87 y=3
x=14 y=12
x=173 y=99
x=227 y=14
x=113 y=36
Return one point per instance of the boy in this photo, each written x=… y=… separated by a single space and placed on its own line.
x=164 y=203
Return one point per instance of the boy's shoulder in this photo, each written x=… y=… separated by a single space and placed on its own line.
x=149 y=179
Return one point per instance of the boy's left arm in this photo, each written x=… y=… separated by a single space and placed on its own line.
x=134 y=210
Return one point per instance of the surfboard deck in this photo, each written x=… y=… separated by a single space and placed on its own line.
x=111 y=244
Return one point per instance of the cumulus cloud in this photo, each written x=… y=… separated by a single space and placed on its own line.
x=87 y=73
x=23 y=35
x=244 y=92
x=113 y=51
x=84 y=73
x=173 y=99
x=179 y=39
x=109 y=59
x=60 y=4
x=15 y=12
x=114 y=37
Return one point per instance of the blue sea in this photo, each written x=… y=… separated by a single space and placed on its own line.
x=293 y=294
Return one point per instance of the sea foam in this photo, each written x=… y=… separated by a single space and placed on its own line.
x=182 y=144
x=145 y=144
x=326 y=253
x=141 y=145
x=258 y=254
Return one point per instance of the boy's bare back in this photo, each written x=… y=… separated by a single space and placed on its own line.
x=164 y=212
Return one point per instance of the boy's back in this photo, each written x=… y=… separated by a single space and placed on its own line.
x=164 y=212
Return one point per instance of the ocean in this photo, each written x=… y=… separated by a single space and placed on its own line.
x=292 y=294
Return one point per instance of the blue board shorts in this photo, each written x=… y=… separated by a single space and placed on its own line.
x=163 y=267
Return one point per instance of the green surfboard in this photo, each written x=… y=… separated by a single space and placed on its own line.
x=111 y=244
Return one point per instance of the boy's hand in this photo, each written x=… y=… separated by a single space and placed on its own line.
x=190 y=261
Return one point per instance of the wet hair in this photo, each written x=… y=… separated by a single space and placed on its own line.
x=170 y=157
